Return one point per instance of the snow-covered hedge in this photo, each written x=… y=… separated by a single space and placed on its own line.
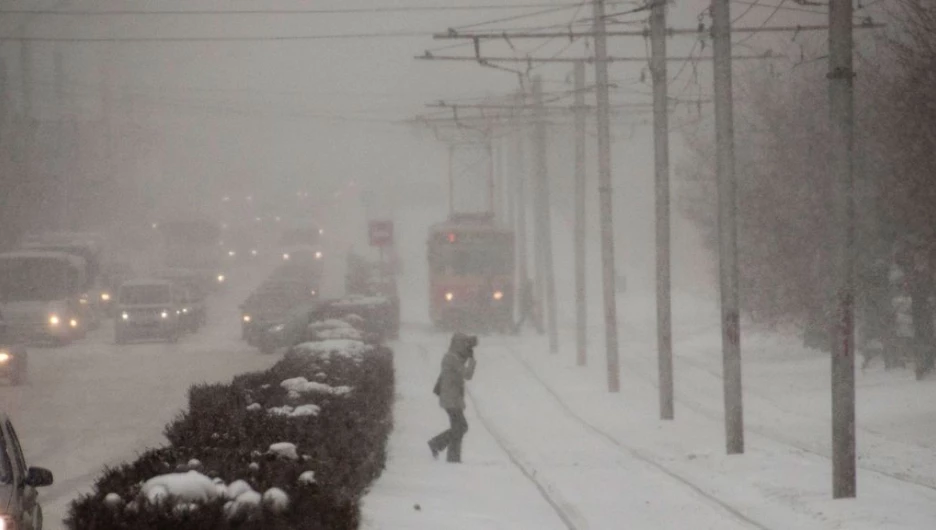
x=294 y=446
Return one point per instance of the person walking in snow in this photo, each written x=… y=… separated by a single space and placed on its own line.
x=458 y=366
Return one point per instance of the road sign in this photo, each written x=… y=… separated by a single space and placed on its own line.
x=381 y=233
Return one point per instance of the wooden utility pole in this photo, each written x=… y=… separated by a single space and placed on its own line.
x=605 y=196
x=581 y=309
x=544 y=217
x=661 y=166
x=841 y=104
x=727 y=229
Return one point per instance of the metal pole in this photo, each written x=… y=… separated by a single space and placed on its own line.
x=605 y=195
x=661 y=151
x=451 y=179
x=521 y=204
x=26 y=65
x=841 y=105
x=727 y=228
x=491 y=177
x=581 y=312
x=58 y=67
x=544 y=226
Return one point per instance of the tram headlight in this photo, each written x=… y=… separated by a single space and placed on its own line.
x=54 y=320
x=286 y=257
x=164 y=314
x=247 y=318
x=4 y=357
x=220 y=278
x=498 y=295
x=318 y=254
x=73 y=323
x=449 y=296
x=105 y=297
x=125 y=316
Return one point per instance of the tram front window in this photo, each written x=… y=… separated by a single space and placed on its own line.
x=471 y=262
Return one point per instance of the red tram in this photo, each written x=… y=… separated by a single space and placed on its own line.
x=471 y=274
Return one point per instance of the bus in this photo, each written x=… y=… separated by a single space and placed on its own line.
x=471 y=274
x=40 y=295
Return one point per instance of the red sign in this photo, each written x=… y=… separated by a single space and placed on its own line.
x=381 y=233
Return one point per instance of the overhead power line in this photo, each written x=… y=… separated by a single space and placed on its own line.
x=236 y=38
x=298 y=11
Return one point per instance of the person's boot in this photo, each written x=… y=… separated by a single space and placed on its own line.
x=453 y=455
x=435 y=452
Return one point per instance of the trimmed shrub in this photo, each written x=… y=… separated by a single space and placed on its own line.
x=344 y=387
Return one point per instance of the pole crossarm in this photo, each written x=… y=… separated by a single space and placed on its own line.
x=588 y=60
x=645 y=33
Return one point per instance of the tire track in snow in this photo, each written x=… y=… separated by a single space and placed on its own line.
x=706 y=497
x=566 y=512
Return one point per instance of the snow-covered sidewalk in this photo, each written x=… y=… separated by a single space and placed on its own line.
x=543 y=429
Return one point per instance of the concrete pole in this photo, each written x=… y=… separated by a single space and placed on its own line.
x=581 y=290
x=661 y=152
x=544 y=224
x=727 y=227
x=520 y=205
x=606 y=197
x=841 y=105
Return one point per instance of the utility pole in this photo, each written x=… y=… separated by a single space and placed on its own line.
x=727 y=228
x=605 y=195
x=543 y=216
x=451 y=179
x=661 y=165
x=841 y=104
x=26 y=64
x=520 y=205
x=581 y=311
x=61 y=171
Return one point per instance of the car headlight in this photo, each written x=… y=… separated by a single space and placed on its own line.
x=73 y=323
x=83 y=301
x=318 y=254
x=185 y=310
x=253 y=252
x=105 y=297
x=449 y=297
x=220 y=278
x=164 y=314
x=498 y=295
x=246 y=318
x=4 y=357
x=232 y=253
x=286 y=257
x=54 y=320
x=125 y=316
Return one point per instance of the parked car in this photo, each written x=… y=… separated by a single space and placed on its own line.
x=12 y=358
x=19 y=504
x=268 y=306
x=148 y=308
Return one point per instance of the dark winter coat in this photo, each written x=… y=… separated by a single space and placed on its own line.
x=458 y=366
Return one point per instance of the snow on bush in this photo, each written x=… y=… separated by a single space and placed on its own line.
x=331 y=323
x=348 y=333
x=295 y=412
x=181 y=487
x=302 y=385
x=285 y=450
x=307 y=478
x=254 y=407
x=351 y=349
x=113 y=500
x=276 y=500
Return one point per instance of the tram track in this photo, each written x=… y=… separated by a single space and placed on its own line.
x=712 y=500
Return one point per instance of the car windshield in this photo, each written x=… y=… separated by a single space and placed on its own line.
x=35 y=279
x=145 y=295
x=6 y=468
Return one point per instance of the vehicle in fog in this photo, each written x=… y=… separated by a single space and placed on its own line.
x=191 y=296
x=90 y=248
x=40 y=295
x=268 y=306
x=13 y=358
x=148 y=308
x=19 y=505
x=195 y=245
x=471 y=271
x=303 y=244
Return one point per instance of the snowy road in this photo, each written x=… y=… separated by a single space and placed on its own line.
x=94 y=403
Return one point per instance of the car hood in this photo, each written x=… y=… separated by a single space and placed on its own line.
x=6 y=495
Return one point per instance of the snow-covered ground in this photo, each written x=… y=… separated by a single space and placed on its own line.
x=95 y=403
x=548 y=447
